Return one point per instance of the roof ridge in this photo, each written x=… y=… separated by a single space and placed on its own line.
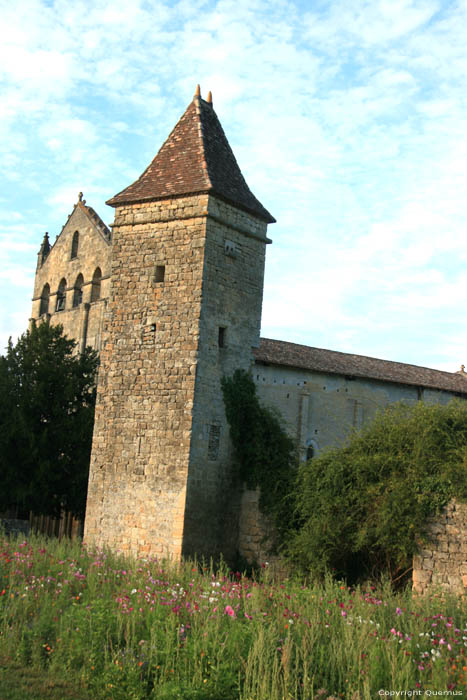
x=308 y=358
x=197 y=101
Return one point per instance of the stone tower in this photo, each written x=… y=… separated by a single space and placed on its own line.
x=187 y=271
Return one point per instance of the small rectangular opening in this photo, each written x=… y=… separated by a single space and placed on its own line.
x=160 y=273
x=221 y=338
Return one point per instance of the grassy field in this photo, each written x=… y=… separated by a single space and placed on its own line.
x=78 y=623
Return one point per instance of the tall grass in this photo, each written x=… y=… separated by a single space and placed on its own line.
x=134 y=629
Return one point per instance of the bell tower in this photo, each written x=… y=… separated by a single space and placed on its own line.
x=187 y=271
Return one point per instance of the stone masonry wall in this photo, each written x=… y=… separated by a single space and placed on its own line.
x=443 y=562
x=143 y=422
x=255 y=532
x=83 y=322
x=321 y=409
x=232 y=298
x=161 y=478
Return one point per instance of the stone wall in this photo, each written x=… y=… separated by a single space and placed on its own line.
x=183 y=270
x=321 y=409
x=82 y=322
x=443 y=561
x=255 y=532
x=232 y=297
x=143 y=420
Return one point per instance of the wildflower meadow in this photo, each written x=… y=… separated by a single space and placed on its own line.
x=81 y=623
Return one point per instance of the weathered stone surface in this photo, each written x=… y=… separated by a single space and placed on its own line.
x=81 y=321
x=443 y=562
x=161 y=480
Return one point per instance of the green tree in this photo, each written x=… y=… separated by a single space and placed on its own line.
x=363 y=509
x=46 y=420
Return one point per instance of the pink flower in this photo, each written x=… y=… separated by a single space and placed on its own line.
x=228 y=610
x=398 y=611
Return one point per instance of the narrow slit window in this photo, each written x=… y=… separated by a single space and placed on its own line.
x=74 y=245
x=221 y=337
x=78 y=291
x=96 y=284
x=159 y=275
x=44 y=305
x=61 y=296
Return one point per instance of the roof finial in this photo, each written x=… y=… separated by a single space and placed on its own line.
x=80 y=197
x=209 y=100
x=198 y=91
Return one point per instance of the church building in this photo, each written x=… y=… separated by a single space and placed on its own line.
x=171 y=297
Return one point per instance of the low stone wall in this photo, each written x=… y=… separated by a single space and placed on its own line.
x=443 y=561
x=255 y=540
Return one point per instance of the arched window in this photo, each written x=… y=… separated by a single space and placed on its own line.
x=78 y=291
x=96 y=284
x=61 y=296
x=44 y=306
x=74 y=245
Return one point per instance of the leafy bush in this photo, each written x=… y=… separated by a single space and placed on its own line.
x=363 y=509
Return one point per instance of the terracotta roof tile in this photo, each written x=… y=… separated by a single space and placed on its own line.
x=196 y=158
x=278 y=352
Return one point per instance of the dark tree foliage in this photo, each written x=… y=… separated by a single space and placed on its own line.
x=364 y=508
x=264 y=453
x=46 y=421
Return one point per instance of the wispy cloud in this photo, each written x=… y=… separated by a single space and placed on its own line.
x=348 y=120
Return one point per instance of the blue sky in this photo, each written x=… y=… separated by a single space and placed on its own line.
x=348 y=119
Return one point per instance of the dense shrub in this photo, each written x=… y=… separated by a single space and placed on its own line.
x=363 y=509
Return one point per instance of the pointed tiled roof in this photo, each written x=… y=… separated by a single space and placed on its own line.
x=195 y=159
x=279 y=352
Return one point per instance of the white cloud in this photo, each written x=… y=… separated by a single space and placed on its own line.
x=348 y=120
